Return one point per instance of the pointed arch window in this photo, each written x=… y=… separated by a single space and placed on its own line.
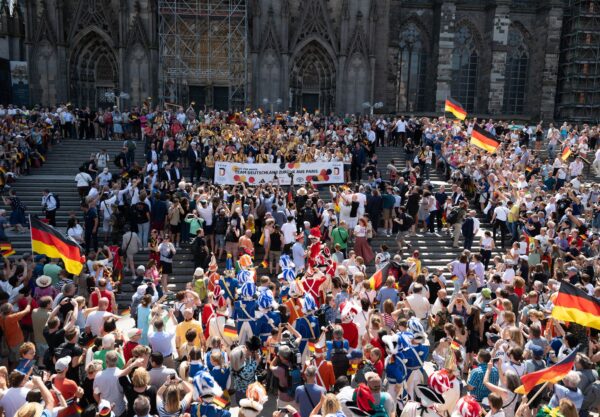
x=412 y=65
x=517 y=66
x=465 y=62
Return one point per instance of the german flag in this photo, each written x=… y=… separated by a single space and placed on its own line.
x=552 y=375
x=455 y=108
x=48 y=241
x=6 y=250
x=575 y=305
x=455 y=345
x=220 y=402
x=379 y=277
x=311 y=346
x=566 y=153
x=230 y=331
x=484 y=140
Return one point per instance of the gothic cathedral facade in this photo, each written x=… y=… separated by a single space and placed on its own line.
x=496 y=57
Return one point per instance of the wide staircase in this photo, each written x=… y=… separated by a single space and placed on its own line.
x=62 y=164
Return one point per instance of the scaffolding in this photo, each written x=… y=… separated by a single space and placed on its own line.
x=203 y=53
x=578 y=97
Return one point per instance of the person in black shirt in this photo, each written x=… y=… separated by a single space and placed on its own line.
x=71 y=348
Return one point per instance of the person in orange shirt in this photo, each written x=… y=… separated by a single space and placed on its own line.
x=9 y=323
x=325 y=376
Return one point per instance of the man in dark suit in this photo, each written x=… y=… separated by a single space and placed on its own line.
x=152 y=154
x=176 y=172
x=195 y=158
x=468 y=231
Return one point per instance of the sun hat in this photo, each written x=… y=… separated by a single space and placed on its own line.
x=43 y=281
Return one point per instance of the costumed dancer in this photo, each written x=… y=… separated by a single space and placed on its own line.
x=348 y=311
x=425 y=403
x=294 y=303
x=218 y=321
x=268 y=318
x=447 y=384
x=243 y=312
x=210 y=308
x=206 y=391
x=308 y=324
x=415 y=354
x=314 y=278
x=256 y=396
x=467 y=406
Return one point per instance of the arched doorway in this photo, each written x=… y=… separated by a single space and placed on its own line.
x=312 y=79
x=93 y=72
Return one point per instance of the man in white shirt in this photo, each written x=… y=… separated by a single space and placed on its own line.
x=14 y=397
x=499 y=219
x=95 y=320
x=419 y=303
x=107 y=387
x=575 y=167
x=161 y=340
x=289 y=231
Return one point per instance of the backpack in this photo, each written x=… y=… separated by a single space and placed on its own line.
x=57 y=200
x=452 y=217
x=591 y=396
x=379 y=409
x=294 y=380
x=359 y=378
x=339 y=360
x=321 y=315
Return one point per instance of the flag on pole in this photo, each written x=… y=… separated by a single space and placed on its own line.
x=484 y=139
x=46 y=240
x=455 y=108
x=566 y=153
x=379 y=277
x=575 y=305
x=311 y=346
x=552 y=375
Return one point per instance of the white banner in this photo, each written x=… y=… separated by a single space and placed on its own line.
x=315 y=172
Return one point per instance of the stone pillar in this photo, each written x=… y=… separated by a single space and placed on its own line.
x=501 y=23
x=553 y=25
x=445 y=48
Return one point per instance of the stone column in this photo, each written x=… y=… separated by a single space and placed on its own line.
x=445 y=48
x=553 y=23
x=501 y=23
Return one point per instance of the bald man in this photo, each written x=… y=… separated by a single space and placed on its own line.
x=96 y=319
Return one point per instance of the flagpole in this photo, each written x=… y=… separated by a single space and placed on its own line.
x=30 y=235
x=537 y=393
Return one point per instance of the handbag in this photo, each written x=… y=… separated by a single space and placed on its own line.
x=123 y=252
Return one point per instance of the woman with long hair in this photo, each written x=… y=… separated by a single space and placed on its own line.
x=169 y=399
x=510 y=399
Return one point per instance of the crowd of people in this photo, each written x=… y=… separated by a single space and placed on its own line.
x=284 y=311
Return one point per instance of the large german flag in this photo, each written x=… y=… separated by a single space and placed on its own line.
x=575 y=305
x=552 y=375
x=455 y=108
x=484 y=139
x=48 y=241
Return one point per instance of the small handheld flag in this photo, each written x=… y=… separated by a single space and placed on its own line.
x=6 y=250
x=484 y=139
x=455 y=345
x=378 y=278
x=311 y=346
x=455 y=108
x=230 y=331
x=566 y=153
x=220 y=402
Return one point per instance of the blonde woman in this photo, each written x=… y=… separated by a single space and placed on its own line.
x=173 y=397
x=328 y=406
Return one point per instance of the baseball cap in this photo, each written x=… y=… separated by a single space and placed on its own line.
x=537 y=351
x=355 y=354
x=62 y=364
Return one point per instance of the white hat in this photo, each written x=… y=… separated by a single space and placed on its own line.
x=141 y=268
x=131 y=333
x=62 y=364
x=199 y=272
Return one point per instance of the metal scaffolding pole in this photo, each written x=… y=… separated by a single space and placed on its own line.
x=578 y=96
x=203 y=47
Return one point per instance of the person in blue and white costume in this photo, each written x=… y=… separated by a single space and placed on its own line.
x=286 y=277
x=410 y=349
x=308 y=324
x=267 y=316
x=229 y=284
x=206 y=390
x=244 y=312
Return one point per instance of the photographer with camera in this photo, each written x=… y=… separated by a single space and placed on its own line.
x=288 y=374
